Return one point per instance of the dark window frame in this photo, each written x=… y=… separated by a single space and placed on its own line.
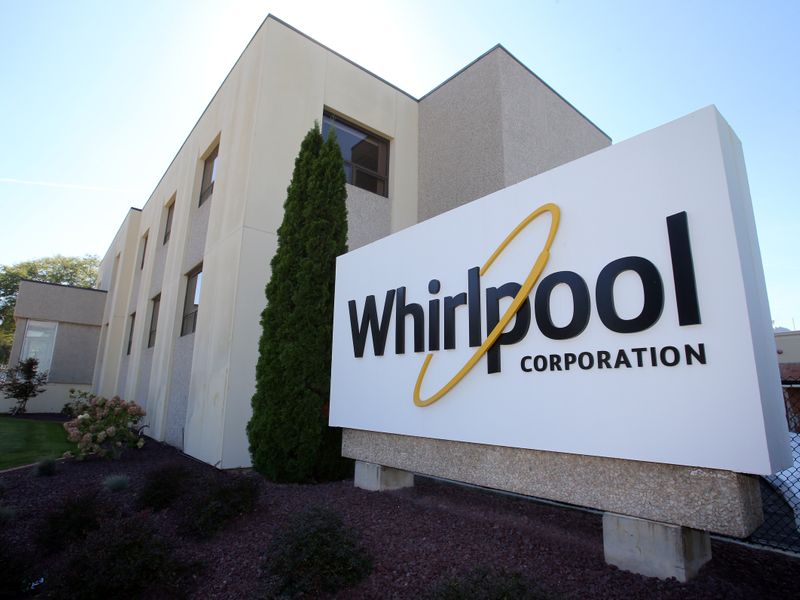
x=209 y=175
x=154 y=310
x=144 y=249
x=168 y=221
x=352 y=169
x=130 y=334
x=190 y=308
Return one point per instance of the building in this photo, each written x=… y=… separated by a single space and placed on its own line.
x=59 y=325
x=185 y=275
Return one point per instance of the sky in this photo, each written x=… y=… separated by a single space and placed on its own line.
x=96 y=97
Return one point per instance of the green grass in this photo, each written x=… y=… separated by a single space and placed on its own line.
x=23 y=442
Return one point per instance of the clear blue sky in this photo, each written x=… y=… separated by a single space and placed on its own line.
x=97 y=96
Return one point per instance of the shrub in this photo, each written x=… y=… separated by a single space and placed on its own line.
x=162 y=487
x=16 y=568
x=288 y=434
x=72 y=520
x=116 y=483
x=222 y=502
x=79 y=401
x=104 y=427
x=315 y=554
x=123 y=559
x=45 y=468
x=22 y=383
x=484 y=584
x=7 y=514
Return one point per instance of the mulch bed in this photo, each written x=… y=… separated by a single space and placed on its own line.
x=416 y=536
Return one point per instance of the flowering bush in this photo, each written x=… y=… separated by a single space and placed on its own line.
x=105 y=426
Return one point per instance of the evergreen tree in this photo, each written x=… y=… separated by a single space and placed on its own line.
x=288 y=433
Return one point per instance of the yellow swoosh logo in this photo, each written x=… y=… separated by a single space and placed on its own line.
x=516 y=303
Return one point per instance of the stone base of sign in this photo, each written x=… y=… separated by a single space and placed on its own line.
x=706 y=499
x=376 y=478
x=654 y=549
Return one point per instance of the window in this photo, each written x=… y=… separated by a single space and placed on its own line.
x=168 y=225
x=130 y=333
x=151 y=338
x=144 y=251
x=38 y=343
x=209 y=175
x=366 y=156
x=192 y=300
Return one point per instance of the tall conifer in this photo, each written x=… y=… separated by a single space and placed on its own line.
x=288 y=433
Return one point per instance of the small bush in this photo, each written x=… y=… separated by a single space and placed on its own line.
x=116 y=483
x=70 y=521
x=45 y=468
x=162 y=487
x=315 y=554
x=16 y=567
x=222 y=502
x=483 y=584
x=7 y=515
x=105 y=427
x=123 y=559
x=79 y=401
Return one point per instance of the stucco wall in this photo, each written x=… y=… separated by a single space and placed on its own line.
x=492 y=125
x=788 y=346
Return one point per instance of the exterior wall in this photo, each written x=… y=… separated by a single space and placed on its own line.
x=492 y=125
x=78 y=313
x=788 y=344
x=116 y=276
x=197 y=388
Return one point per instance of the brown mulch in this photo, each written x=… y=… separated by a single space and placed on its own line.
x=416 y=536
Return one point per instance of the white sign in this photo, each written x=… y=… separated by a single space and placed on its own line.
x=614 y=306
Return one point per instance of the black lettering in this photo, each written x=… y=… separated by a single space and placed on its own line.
x=474 y=306
x=651 y=285
x=638 y=352
x=580 y=305
x=622 y=359
x=676 y=356
x=691 y=353
x=522 y=321
x=540 y=363
x=555 y=362
x=450 y=305
x=369 y=321
x=603 y=359
x=522 y=364
x=402 y=311
x=585 y=360
x=569 y=359
x=680 y=250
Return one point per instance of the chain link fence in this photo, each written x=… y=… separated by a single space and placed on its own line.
x=780 y=493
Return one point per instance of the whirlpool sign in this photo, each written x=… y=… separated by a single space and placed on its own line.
x=614 y=306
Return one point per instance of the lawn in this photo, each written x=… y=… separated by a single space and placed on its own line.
x=24 y=441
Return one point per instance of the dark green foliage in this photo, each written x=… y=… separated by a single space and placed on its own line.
x=483 y=584
x=116 y=483
x=315 y=554
x=123 y=559
x=289 y=436
x=221 y=502
x=162 y=487
x=46 y=468
x=16 y=569
x=23 y=383
x=72 y=520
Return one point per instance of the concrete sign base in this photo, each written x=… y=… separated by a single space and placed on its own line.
x=654 y=549
x=376 y=478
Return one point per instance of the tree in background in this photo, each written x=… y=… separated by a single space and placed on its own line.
x=23 y=382
x=66 y=270
x=289 y=435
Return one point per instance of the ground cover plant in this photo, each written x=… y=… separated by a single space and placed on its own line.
x=418 y=539
x=24 y=441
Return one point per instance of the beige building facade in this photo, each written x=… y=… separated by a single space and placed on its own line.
x=185 y=275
